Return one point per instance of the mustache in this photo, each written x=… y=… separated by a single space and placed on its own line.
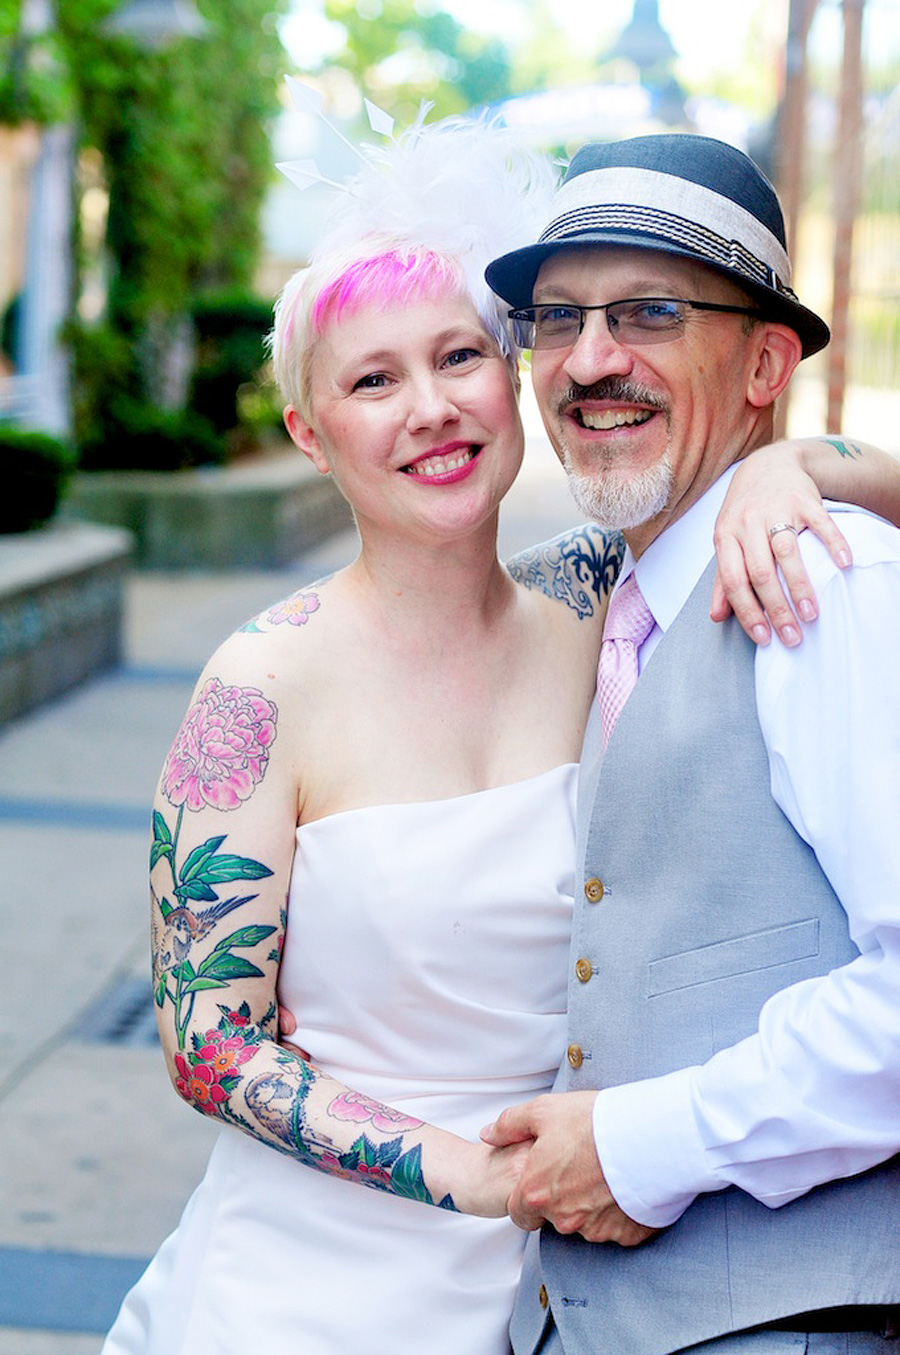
x=613 y=388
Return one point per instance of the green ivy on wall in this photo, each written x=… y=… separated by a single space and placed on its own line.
x=182 y=133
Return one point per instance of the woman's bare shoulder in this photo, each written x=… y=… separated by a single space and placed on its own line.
x=577 y=568
x=275 y=650
x=292 y=615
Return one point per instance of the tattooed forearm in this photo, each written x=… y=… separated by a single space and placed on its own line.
x=578 y=568
x=844 y=447
x=281 y=1102
x=274 y=1106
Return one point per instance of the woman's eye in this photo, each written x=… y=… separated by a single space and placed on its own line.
x=460 y=356
x=373 y=381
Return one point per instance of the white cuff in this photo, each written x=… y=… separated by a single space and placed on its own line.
x=651 y=1153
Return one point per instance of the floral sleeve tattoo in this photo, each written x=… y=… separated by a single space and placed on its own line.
x=578 y=568
x=234 y=1070
x=219 y=757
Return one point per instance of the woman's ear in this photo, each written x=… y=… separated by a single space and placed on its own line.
x=304 y=436
x=778 y=351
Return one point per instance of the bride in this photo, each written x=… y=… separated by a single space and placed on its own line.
x=370 y=802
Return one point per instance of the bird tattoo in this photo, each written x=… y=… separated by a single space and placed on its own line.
x=173 y=940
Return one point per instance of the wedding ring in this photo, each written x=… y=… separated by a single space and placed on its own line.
x=782 y=527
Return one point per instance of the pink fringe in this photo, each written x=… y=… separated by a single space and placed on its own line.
x=389 y=277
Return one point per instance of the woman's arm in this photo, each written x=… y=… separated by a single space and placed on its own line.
x=785 y=483
x=223 y=841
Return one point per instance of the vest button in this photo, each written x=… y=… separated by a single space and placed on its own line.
x=593 y=889
x=543 y=1297
x=574 y=1055
x=584 y=970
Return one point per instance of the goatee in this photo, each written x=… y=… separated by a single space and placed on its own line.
x=618 y=500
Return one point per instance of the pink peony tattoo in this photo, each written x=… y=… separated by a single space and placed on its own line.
x=221 y=751
x=357 y=1107
x=296 y=609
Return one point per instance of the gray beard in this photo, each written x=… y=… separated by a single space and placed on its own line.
x=617 y=502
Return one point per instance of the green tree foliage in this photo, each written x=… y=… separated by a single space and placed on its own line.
x=34 y=83
x=182 y=133
x=405 y=52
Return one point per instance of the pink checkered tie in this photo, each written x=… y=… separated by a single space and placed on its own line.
x=628 y=623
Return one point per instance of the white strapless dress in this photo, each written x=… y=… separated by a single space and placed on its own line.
x=425 y=957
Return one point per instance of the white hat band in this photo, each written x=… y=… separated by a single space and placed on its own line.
x=709 y=225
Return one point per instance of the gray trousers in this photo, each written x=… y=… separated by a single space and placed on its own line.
x=769 y=1343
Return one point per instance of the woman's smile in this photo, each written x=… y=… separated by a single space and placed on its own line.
x=445 y=465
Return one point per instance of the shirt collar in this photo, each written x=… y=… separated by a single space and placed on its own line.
x=671 y=566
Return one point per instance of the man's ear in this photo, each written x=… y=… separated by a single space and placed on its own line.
x=778 y=350
x=304 y=436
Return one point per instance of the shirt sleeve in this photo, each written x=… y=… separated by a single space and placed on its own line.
x=814 y=1095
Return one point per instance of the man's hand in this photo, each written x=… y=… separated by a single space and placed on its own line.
x=287 y=1025
x=562 y=1182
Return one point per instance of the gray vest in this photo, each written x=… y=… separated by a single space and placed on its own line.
x=710 y=904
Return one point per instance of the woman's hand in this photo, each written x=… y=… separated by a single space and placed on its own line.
x=775 y=494
x=483 y=1178
x=772 y=498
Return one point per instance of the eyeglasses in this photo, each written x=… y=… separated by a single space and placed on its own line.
x=638 y=320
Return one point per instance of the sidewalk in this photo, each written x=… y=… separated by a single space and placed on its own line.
x=98 y=1153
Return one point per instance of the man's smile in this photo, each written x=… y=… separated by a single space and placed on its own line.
x=601 y=420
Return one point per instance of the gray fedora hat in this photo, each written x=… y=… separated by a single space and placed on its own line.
x=682 y=194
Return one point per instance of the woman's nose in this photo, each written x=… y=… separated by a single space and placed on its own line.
x=430 y=404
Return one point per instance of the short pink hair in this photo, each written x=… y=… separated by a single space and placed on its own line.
x=340 y=284
x=385 y=279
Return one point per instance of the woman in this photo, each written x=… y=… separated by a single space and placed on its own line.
x=370 y=801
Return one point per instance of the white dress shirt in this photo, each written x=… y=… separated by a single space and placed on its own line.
x=814 y=1095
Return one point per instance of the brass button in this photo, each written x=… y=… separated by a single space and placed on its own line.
x=593 y=889
x=584 y=970
x=543 y=1297
x=574 y=1055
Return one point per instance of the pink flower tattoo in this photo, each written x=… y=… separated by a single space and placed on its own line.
x=296 y=609
x=221 y=751
x=359 y=1108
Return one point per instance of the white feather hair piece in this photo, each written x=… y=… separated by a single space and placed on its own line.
x=464 y=187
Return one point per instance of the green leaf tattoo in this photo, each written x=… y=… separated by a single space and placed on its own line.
x=177 y=927
x=844 y=448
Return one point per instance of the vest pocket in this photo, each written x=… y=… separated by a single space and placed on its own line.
x=747 y=954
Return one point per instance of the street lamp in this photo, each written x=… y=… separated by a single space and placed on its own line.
x=153 y=23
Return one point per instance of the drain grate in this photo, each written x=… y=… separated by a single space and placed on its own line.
x=122 y=1015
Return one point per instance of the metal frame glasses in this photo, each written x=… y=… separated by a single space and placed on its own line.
x=636 y=320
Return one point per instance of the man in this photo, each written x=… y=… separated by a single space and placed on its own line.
x=735 y=987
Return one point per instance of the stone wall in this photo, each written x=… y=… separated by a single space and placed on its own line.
x=261 y=514
x=61 y=610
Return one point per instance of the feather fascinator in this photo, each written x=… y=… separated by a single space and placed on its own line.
x=463 y=187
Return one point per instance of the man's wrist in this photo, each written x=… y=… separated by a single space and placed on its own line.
x=650 y=1149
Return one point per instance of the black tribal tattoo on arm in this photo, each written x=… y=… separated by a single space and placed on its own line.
x=579 y=567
